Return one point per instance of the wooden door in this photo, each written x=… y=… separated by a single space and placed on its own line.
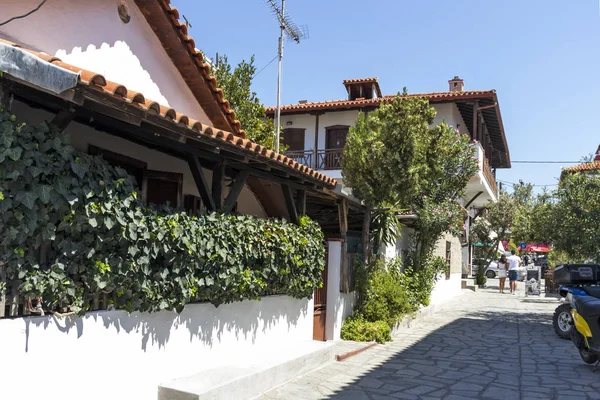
x=320 y=311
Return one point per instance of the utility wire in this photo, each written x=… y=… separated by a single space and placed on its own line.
x=263 y=68
x=546 y=162
x=517 y=184
x=24 y=15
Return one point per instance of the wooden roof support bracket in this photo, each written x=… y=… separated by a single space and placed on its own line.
x=236 y=189
x=218 y=181
x=63 y=119
x=289 y=202
x=301 y=202
x=201 y=182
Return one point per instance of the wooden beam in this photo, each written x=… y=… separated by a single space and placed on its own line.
x=236 y=189
x=201 y=182
x=218 y=181
x=301 y=202
x=473 y=199
x=343 y=217
x=289 y=202
x=63 y=119
x=6 y=95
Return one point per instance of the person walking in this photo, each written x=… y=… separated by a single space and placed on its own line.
x=502 y=269
x=513 y=271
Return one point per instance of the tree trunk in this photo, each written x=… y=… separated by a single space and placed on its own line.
x=365 y=234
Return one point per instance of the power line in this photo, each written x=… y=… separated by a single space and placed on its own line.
x=263 y=68
x=24 y=15
x=546 y=162
x=516 y=184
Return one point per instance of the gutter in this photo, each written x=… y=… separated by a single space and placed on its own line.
x=28 y=67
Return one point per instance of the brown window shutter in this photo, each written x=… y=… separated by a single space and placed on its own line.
x=192 y=204
x=163 y=187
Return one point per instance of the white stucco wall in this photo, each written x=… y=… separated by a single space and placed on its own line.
x=90 y=35
x=339 y=305
x=82 y=136
x=444 y=288
x=121 y=356
x=449 y=112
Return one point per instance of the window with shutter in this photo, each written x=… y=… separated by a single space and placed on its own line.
x=133 y=166
x=161 y=187
x=293 y=138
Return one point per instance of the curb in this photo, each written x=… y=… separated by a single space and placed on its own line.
x=342 y=357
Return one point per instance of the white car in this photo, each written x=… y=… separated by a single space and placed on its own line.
x=492 y=271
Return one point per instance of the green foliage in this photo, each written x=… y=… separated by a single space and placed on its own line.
x=385 y=227
x=419 y=283
x=386 y=298
x=98 y=237
x=575 y=217
x=492 y=227
x=236 y=85
x=360 y=330
x=394 y=155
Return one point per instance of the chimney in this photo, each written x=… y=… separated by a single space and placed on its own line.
x=302 y=101
x=456 y=84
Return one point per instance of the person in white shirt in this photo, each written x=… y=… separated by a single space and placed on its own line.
x=513 y=270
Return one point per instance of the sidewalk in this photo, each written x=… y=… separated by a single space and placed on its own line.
x=482 y=345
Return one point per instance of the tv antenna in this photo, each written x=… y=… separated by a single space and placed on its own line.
x=289 y=29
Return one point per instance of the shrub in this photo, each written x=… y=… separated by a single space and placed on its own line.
x=99 y=238
x=360 y=330
x=385 y=297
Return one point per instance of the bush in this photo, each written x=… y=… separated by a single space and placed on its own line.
x=100 y=238
x=360 y=330
x=420 y=283
x=386 y=297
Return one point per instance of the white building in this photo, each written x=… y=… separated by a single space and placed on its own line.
x=122 y=78
x=315 y=133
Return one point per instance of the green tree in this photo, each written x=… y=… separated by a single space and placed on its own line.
x=395 y=155
x=236 y=85
x=493 y=227
x=575 y=217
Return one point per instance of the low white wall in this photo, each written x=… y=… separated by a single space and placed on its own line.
x=339 y=305
x=116 y=355
x=446 y=289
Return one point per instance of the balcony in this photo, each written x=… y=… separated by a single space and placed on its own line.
x=482 y=188
x=326 y=159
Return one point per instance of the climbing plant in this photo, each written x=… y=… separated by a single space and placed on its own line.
x=72 y=227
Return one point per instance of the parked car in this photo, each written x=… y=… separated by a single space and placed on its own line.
x=492 y=271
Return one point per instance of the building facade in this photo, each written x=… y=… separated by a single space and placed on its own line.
x=315 y=133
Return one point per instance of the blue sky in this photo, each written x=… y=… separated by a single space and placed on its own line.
x=542 y=57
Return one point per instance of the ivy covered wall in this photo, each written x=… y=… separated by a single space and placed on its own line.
x=74 y=226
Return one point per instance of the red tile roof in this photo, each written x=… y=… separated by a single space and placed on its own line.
x=90 y=79
x=590 y=166
x=360 y=103
x=181 y=48
x=360 y=80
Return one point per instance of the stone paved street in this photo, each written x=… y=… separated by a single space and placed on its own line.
x=482 y=345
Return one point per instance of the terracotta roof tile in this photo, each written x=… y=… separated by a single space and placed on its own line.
x=591 y=166
x=118 y=91
x=359 y=103
x=360 y=80
x=149 y=8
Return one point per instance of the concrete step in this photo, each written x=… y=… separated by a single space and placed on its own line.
x=469 y=284
x=252 y=373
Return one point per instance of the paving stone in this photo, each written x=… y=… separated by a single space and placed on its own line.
x=480 y=345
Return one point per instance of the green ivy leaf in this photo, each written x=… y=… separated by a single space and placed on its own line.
x=93 y=222
x=44 y=193
x=27 y=198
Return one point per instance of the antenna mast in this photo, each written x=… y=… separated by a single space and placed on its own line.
x=290 y=29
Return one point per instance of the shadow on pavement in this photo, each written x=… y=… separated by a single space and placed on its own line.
x=489 y=355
